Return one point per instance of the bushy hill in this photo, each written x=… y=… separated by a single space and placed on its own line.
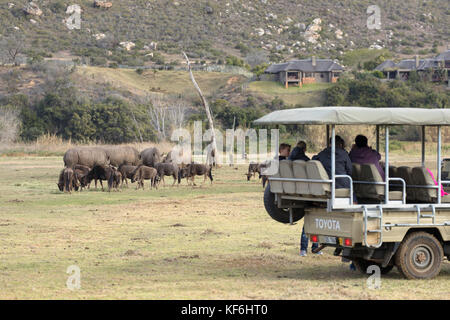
x=214 y=29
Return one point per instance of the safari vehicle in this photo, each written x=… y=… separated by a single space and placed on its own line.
x=401 y=221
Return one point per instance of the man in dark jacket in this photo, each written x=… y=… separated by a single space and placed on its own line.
x=298 y=153
x=342 y=162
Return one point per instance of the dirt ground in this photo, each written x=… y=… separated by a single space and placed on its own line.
x=206 y=242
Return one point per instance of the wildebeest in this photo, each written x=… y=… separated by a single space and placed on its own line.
x=264 y=180
x=146 y=173
x=61 y=181
x=168 y=169
x=114 y=179
x=80 y=173
x=127 y=172
x=253 y=168
x=196 y=169
x=102 y=173
x=150 y=157
x=87 y=156
x=119 y=155
x=67 y=181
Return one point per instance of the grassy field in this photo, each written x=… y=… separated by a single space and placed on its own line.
x=174 y=243
x=171 y=82
x=310 y=95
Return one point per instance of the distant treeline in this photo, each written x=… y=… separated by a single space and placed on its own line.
x=111 y=121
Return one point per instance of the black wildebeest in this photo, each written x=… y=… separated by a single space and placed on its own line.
x=114 y=179
x=102 y=173
x=146 y=173
x=66 y=176
x=196 y=169
x=81 y=173
x=127 y=172
x=67 y=181
x=253 y=168
x=168 y=169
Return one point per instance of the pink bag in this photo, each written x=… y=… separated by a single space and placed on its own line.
x=443 y=193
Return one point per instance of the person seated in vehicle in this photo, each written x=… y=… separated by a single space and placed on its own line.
x=284 y=151
x=363 y=154
x=343 y=165
x=298 y=153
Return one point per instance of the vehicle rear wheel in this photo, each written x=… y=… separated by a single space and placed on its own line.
x=362 y=265
x=278 y=214
x=419 y=256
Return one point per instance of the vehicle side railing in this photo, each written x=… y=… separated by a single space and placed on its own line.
x=351 y=185
x=329 y=181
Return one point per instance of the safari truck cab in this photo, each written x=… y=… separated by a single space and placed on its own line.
x=403 y=220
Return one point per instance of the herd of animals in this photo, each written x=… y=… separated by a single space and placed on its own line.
x=117 y=164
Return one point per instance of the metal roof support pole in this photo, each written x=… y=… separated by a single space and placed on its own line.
x=328 y=136
x=386 y=166
x=439 y=164
x=378 y=137
x=423 y=146
x=277 y=147
x=333 y=164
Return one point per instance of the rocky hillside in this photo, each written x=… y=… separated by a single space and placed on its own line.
x=135 y=32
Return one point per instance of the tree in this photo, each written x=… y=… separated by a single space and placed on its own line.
x=207 y=110
x=157 y=113
x=9 y=124
x=257 y=58
x=12 y=47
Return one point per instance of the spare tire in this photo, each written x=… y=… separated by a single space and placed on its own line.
x=279 y=214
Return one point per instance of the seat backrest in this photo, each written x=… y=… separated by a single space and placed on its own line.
x=315 y=170
x=445 y=171
x=405 y=173
x=356 y=176
x=299 y=168
x=446 y=165
x=370 y=173
x=394 y=185
x=393 y=171
x=421 y=177
x=287 y=172
x=275 y=186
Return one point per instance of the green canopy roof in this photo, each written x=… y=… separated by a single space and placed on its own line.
x=358 y=116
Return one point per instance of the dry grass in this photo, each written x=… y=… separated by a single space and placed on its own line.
x=174 y=243
x=52 y=145
x=311 y=95
x=151 y=81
